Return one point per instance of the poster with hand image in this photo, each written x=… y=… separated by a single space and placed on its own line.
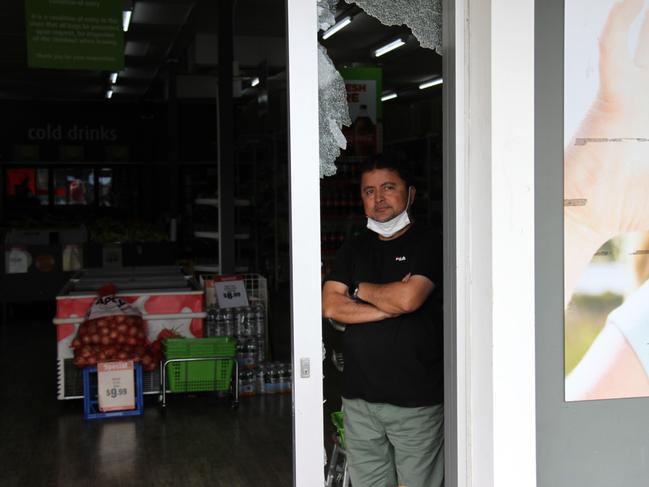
x=606 y=201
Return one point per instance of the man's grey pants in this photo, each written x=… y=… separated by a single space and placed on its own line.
x=390 y=445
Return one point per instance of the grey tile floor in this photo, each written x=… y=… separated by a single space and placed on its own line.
x=198 y=441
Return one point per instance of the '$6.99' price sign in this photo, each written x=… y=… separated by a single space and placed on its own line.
x=115 y=386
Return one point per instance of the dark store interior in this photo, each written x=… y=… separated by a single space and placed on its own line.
x=179 y=158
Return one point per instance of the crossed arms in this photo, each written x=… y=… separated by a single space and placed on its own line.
x=381 y=301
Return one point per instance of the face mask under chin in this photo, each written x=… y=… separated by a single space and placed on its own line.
x=389 y=228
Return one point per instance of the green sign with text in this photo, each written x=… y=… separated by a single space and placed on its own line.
x=75 y=34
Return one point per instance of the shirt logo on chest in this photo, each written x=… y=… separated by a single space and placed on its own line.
x=400 y=259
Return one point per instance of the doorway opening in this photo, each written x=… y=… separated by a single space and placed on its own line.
x=393 y=87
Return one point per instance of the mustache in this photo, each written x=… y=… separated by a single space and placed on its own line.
x=381 y=207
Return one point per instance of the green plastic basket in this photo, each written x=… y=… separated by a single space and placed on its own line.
x=200 y=376
x=337 y=419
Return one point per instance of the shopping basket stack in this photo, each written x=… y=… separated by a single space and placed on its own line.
x=195 y=376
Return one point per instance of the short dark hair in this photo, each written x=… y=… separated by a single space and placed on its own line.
x=390 y=163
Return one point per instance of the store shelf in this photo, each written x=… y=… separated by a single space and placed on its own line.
x=215 y=202
x=215 y=235
x=210 y=235
x=215 y=268
x=202 y=237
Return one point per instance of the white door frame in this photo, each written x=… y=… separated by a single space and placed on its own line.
x=306 y=321
x=489 y=242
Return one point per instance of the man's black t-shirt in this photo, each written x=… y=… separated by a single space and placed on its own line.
x=398 y=360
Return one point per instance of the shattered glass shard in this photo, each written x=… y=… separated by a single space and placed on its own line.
x=326 y=13
x=333 y=113
x=424 y=17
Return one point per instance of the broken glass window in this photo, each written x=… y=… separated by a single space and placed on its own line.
x=333 y=113
x=326 y=13
x=424 y=17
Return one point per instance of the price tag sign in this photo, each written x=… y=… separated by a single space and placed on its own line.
x=115 y=386
x=17 y=261
x=231 y=293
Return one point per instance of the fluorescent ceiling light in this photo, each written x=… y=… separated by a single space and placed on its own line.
x=341 y=24
x=126 y=19
x=113 y=78
x=388 y=96
x=389 y=47
x=109 y=94
x=428 y=84
x=254 y=82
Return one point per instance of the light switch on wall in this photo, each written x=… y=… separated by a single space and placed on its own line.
x=305 y=368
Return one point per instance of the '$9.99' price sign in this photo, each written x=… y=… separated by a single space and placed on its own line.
x=115 y=386
x=114 y=392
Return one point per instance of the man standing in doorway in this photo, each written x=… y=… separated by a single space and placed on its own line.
x=381 y=287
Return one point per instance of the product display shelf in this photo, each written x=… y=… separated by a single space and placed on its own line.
x=201 y=236
x=238 y=202
x=36 y=263
x=256 y=286
x=215 y=235
x=213 y=268
x=341 y=211
x=257 y=291
x=248 y=325
x=167 y=299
